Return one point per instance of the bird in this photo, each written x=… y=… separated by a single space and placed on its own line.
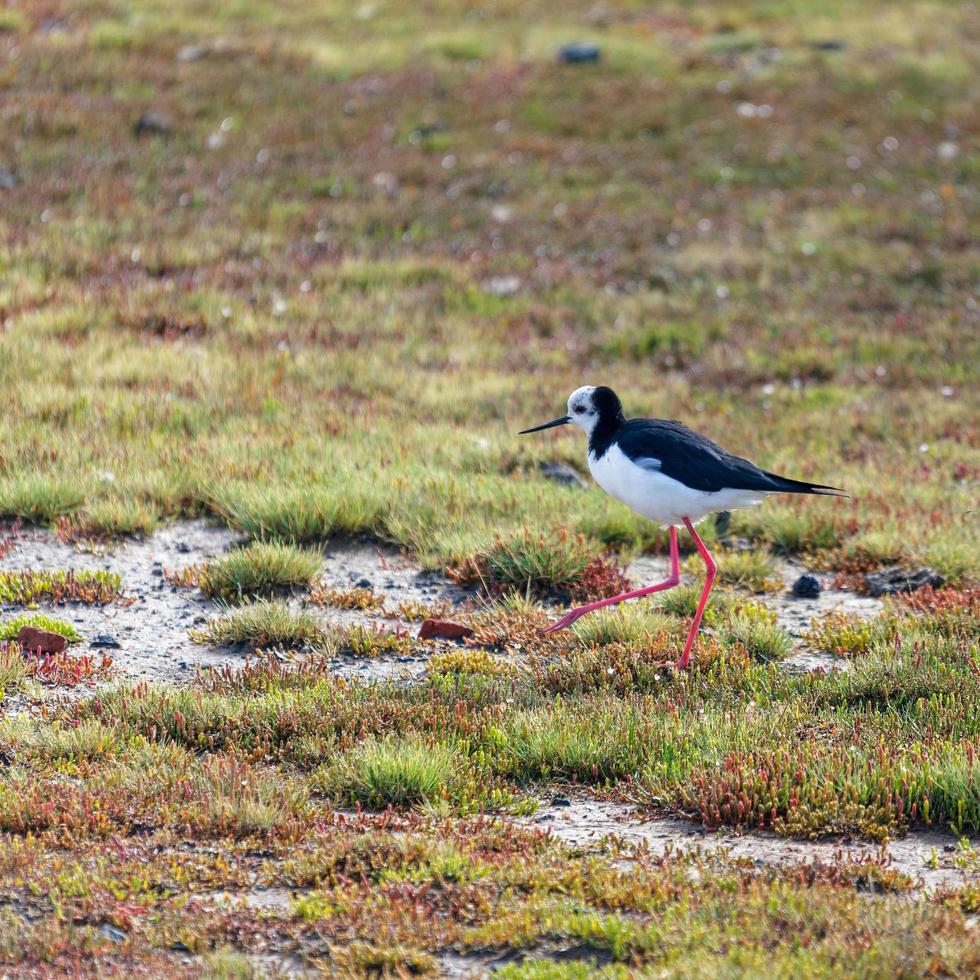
x=669 y=474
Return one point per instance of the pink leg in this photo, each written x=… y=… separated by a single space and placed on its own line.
x=708 y=579
x=579 y=611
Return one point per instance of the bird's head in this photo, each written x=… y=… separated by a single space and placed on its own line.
x=588 y=407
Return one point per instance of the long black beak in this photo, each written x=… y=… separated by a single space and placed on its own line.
x=564 y=420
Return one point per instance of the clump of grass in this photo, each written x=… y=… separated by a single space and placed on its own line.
x=28 y=587
x=394 y=771
x=469 y=662
x=112 y=517
x=260 y=570
x=560 y=565
x=761 y=639
x=370 y=960
x=631 y=623
x=358 y=598
x=13 y=668
x=839 y=633
x=751 y=570
x=265 y=624
x=414 y=611
x=235 y=798
x=683 y=601
x=376 y=641
x=11 y=627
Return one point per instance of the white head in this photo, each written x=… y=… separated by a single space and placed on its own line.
x=582 y=410
x=589 y=407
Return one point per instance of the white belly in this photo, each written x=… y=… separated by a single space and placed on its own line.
x=660 y=498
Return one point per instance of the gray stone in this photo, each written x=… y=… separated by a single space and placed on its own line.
x=892 y=580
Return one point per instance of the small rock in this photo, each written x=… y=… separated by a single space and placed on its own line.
x=581 y=53
x=157 y=572
x=41 y=641
x=544 y=818
x=105 y=642
x=153 y=124
x=830 y=44
x=502 y=285
x=806 y=587
x=561 y=801
x=444 y=629
x=8 y=179
x=192 y=52
x=365 y=583
x=406 y=660
x=112 y=933
x=562 y=473
x=184 y=548
x=891 y=580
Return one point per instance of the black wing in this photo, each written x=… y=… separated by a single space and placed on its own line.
x=701 y=464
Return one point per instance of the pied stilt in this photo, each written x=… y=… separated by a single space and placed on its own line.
x=668 y=474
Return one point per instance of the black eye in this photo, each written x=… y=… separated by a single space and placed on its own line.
x=579 y=409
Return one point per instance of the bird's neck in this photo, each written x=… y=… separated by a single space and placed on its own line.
x=604 y=433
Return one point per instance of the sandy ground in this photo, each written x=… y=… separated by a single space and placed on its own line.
x=153 y=645
x=926 y=856
x=152 y=631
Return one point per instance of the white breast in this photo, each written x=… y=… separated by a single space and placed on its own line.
x=658 y=497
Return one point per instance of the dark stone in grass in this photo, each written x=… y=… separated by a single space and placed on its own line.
x=105 y=642
x=153 y=124
x=581 y=53
x=806 y=587
x=562 y=473
x=184 y=547
x=157 y=572
x=561 y=801
x=112 y=933
x=41 y=641
x=365 y=583
x=889 y=581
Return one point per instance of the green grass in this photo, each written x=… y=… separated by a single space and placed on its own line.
x=398 y=772
x=262 y=569
x=265 y=624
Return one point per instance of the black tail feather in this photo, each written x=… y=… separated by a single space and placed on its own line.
x=785 y=485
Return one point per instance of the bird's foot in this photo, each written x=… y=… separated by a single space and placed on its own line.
x=559 y=624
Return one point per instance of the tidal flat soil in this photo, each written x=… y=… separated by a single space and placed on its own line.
x=279 y=283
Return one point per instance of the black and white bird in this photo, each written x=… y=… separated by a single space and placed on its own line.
x=669 y=474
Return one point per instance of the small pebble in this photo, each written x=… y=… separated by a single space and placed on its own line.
x=112 y=933
x=561 y=801
x=807 y=587
x=582 y=53
x=105 y=642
